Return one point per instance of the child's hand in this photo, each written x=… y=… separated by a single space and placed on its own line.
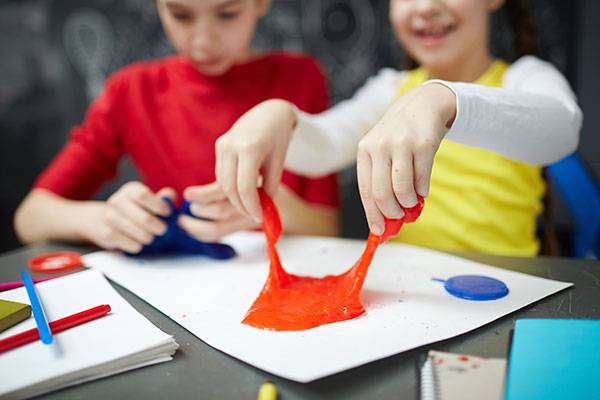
x=257 y=142
x=222 y=218
x=130 y=218
x=395 y=157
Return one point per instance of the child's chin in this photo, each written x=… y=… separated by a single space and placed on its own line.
x=435 y=59
x=213 y=71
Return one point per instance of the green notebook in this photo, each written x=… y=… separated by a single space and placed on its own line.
x=11 y=313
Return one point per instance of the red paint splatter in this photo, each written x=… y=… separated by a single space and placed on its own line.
x=475 y=366
x=290 y=302
x=439 y=361
x=463 y=358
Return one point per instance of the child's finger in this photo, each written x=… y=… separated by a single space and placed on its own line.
x=141 y=217
x=374 y=216
x=216 y=211
x=273 y=169
x=205 y=194
x=423 y=164
x=403 y=178
x=143 y=197
x=213 y=231
x=120 y=241
x=383 y=192
x=227 y=178
x=168 y=192
x=123 y=242
x=127 y=227
x=136 y=233
x=247 y=182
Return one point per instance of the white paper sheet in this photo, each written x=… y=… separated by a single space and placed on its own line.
x=405 y=308
x=120 y=341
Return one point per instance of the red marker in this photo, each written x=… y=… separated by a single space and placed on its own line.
x=59 y=325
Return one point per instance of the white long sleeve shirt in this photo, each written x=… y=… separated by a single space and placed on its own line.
x=533 y=118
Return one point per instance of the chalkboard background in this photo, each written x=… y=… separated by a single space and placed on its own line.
x=55 y=56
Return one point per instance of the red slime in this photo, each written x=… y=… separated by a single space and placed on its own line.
x=290 y=302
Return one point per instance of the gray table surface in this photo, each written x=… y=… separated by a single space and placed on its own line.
x=198 y=371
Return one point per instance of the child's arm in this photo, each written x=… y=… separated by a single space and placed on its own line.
x=126 y=221
x=536 y=120
x=533 y=117
x=300 y=217
x=297 y=215
x=320 y=144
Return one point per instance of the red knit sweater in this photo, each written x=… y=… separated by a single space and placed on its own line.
x=166 y=116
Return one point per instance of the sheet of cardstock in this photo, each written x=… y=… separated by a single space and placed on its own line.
x=405 y=307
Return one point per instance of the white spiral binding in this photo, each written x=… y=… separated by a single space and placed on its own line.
x=429 y=386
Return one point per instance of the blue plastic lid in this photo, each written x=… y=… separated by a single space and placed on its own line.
x=475 y=287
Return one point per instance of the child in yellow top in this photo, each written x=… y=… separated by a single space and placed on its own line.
x=482 y=201
x=501 y=123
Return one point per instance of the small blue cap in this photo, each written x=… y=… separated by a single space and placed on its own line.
x=476 y=287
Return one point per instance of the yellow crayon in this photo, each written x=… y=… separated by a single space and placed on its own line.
x=267 y=391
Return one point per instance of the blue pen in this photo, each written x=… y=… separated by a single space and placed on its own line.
x=38 y=311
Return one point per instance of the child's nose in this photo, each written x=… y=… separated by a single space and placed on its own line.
x=427 y=8
x=204 y=35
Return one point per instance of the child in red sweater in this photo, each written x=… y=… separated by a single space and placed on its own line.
x=166 y=116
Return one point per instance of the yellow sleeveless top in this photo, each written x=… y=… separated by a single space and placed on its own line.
x=478 y=200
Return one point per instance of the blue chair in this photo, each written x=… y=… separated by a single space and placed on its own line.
x=580 y=192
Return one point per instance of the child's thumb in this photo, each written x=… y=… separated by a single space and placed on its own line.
x=168 y=192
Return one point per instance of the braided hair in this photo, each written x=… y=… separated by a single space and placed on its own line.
x=524 y=41
x=524 y=38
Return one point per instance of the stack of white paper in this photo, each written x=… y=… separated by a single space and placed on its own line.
x=121 y=341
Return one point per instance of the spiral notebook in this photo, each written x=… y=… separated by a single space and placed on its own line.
x=447 y=376
x=121 y=341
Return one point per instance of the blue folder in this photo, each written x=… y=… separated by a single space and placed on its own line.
x=554 y=359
